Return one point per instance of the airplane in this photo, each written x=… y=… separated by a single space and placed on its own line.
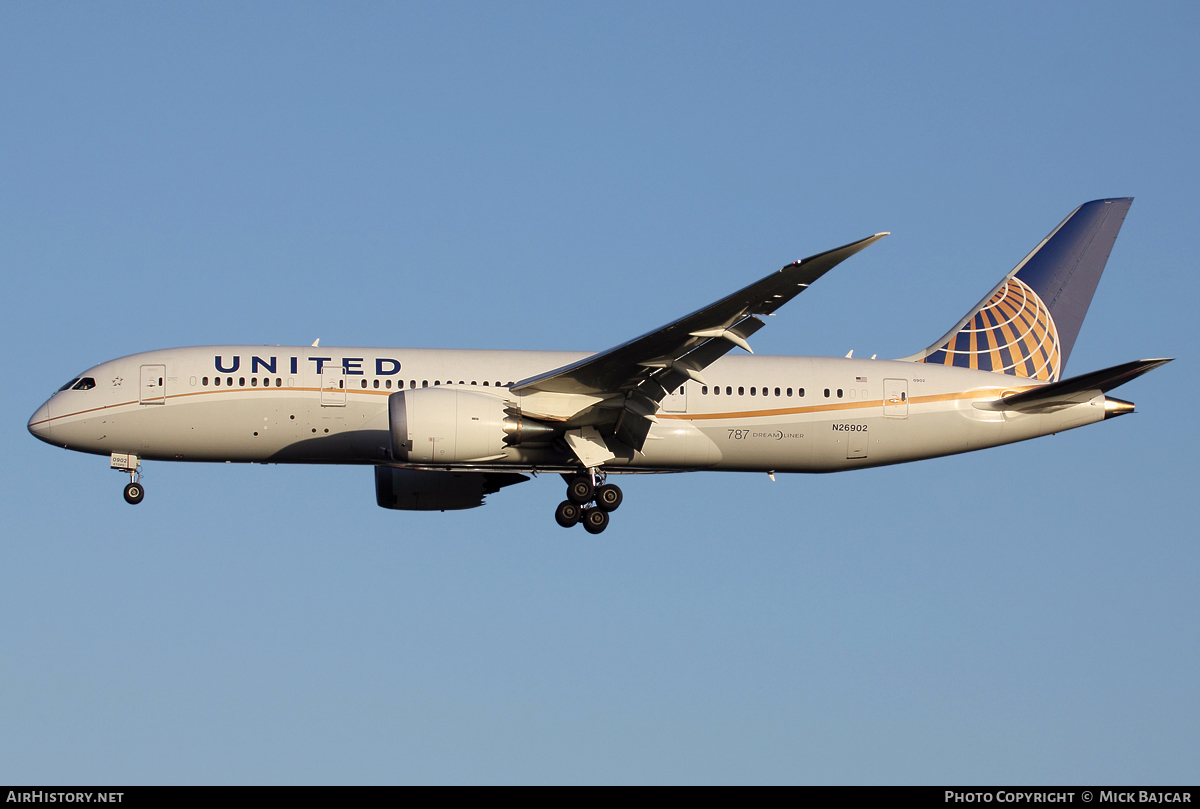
x=445 y=428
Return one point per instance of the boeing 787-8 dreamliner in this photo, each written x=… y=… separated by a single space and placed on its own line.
x=445 y=428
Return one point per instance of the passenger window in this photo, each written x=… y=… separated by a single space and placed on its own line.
x=728 y=390
x=789 y=391
x=437 y=382
x=827 y=393
x=376 y=384
x=364 y=383
x=777 y=392
x=839 y=393
x=254 y=381
x=741 y=391
x=752 y=391
x=800 y=392
x=241 y=382
x=472 y=381
x=485 y=384
x=424 y=383
x=87 y=383
x=204 y=382
x=388 y=384
x=704 y=390
x=68 y=385
x=217 y=381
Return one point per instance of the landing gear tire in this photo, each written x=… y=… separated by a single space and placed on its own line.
x=567 y=514
x=595 y=520
x=581 y=491
x=608 y=497
x=134 y=493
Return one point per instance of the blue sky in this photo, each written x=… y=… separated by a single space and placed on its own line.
x=545 y=176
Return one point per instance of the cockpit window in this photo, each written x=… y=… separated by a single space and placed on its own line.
x=69 y=384
x=87 y=383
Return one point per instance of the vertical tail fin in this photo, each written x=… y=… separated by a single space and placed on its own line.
x=1027 y=325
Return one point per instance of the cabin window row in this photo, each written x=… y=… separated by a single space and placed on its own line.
x=766 y=391
x=228 y=382
x=412 y=383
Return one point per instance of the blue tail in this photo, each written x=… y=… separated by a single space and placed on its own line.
x=1027 y=325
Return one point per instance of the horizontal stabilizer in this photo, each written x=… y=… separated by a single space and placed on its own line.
x=1075 y=390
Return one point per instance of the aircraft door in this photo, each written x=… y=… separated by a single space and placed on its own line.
x=153 y=388
x=333 y=386
x=895 y=398
x=676 y=400
x=857 y=442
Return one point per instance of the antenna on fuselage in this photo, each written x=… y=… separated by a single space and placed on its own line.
x=316 y=342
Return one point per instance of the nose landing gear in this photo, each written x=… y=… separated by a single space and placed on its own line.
x=588 y=503
x=134 y=491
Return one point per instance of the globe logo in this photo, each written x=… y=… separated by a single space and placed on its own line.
x=1013 y=333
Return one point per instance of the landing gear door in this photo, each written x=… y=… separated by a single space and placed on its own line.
x=153 y=388
x=333 y=386
x=895 y=398
x=676 y=400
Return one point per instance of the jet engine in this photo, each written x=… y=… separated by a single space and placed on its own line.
x=447 y=425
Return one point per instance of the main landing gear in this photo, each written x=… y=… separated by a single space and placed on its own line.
x=588 y=503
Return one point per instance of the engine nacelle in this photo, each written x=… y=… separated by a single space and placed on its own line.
x=428 y=490
x=447 y=425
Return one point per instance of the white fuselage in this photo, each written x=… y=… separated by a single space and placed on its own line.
x=784 y=414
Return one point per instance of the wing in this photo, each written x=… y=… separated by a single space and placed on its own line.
x=645 y=368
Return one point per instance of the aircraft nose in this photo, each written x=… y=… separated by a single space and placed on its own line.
x=39 y=422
